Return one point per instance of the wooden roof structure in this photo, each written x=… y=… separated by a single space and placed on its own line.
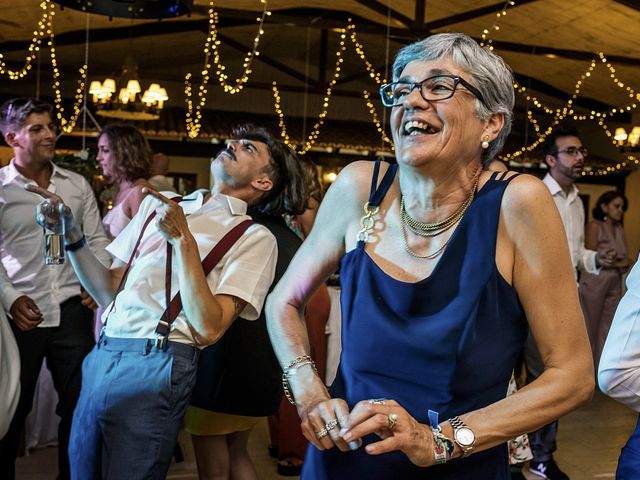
x=549 y=44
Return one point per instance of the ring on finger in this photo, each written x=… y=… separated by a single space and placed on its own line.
x=320 y=434
x=392 y=419
x=376 y=401
x=331 y=424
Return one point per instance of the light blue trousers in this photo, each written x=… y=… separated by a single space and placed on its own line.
x=130 y=410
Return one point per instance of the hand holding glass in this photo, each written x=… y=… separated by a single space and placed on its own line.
x=57 y=220
x=49 y=216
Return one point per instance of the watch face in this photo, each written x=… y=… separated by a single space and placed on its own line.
x=465 y=436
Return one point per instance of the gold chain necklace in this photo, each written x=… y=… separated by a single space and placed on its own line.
x=429 y=256
x=425 y=229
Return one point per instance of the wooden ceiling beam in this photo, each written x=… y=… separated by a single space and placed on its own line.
x=633 y=4
x=547 y=89
x=267 y=60
x=378 y=7
x=293 y=17
x=472 y=14
x=561 y=52
x=419 y=13
x=322 y=57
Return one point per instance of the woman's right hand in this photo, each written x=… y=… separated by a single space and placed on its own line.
x=322 y=417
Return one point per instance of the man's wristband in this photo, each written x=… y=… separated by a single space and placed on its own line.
x=72 y=247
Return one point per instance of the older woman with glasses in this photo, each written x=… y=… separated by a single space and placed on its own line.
x=444 y=266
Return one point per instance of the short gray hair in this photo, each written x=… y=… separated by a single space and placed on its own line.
x=14 y=112
x=489 y=73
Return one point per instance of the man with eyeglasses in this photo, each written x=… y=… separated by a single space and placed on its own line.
x=48 y=309
x=564 y=154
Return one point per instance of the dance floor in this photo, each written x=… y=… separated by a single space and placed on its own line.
x=589 y=443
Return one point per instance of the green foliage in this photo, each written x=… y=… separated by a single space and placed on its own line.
x=83 y=162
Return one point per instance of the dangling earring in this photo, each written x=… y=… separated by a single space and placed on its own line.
x=485 y=142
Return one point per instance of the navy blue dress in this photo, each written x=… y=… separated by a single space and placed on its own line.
x=446 y=343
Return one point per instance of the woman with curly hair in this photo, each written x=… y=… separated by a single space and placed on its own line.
x=125 y=157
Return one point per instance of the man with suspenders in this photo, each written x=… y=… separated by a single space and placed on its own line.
x=165 y=303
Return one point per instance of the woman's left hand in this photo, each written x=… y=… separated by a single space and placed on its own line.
x=397 y=429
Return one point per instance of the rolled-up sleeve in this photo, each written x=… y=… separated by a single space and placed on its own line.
x=249 y=270
x=619 y=370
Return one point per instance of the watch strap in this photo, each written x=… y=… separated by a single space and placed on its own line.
x=457 y=424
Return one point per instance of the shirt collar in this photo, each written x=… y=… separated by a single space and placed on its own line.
x=556 y=189
x=13 y=173
x=234 y=205
x=59 y=172
x=195 y=201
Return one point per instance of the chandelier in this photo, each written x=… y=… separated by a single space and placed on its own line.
x=123 y=98
x=628 y=142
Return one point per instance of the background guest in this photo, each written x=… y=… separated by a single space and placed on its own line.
x=565 y=156
x=287 y=441
x=600 y=294
x=159 y=170
x=125 y=158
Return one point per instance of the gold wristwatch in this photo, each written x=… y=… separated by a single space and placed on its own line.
x=463 y=436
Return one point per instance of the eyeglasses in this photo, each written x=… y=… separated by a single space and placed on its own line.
x=432 y=89
x=573 y=151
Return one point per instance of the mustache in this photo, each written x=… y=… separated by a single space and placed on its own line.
x=229 y=152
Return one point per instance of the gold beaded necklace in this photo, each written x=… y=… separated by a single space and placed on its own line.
x=426 y=230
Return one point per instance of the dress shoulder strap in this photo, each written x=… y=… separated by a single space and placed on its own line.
x=377 y=194
x=502 y=176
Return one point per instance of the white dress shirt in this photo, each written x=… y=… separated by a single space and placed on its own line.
x=23 y=271
x=619 y=370
x=572 y=214
x=246 y=271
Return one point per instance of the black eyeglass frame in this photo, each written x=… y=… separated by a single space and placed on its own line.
x=583 y=150
x=458 y=80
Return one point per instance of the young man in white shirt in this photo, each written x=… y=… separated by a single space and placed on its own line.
x=47 y=307
x=137 y=384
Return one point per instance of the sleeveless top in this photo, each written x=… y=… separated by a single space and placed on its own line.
x=115 y=220
x=446 y=343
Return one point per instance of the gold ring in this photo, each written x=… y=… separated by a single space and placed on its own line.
x=331 y=424
x=320 y=434
x=392 y=418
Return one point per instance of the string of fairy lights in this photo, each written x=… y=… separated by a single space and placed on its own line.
x=376 y=120
x=315 y=131
x=567 y=110
x=486 y=39
x=44 y=28
x=212 y=57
